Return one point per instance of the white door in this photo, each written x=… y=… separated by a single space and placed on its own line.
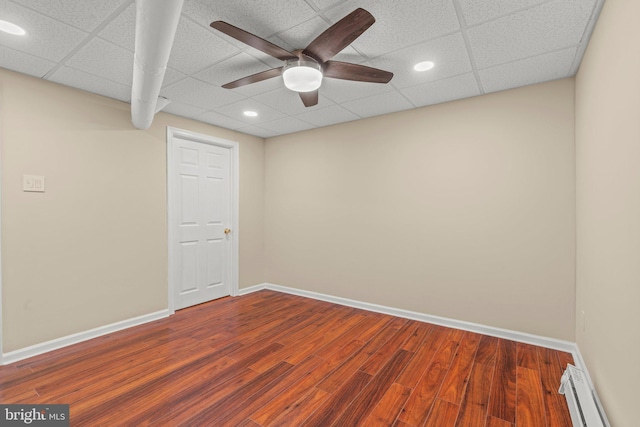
x=202 y=220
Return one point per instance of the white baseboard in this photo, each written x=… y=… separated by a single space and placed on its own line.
x=523 y=337
x=250 y=289
x=34 y=350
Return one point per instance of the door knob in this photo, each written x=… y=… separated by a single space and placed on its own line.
x=227 y=230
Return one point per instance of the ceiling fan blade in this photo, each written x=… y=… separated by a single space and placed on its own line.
x=356 y=72
x=339 y=35
x=254 y=78
x=253 y=40
x=309 y=99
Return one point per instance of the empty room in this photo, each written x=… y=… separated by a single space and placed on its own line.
x=319 y=213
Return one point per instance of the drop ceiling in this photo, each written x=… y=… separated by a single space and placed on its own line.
x=478 y=46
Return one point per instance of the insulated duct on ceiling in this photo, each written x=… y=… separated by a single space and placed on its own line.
x=156 y=24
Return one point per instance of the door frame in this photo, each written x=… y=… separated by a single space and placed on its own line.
x=234 y=151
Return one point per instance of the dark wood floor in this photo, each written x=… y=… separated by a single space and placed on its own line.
x=272 y=359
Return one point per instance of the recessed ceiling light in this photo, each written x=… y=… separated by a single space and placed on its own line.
x=11 y=28
x=249 y=113
x=424 y=66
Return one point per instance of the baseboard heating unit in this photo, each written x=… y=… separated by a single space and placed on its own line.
x=583 y=404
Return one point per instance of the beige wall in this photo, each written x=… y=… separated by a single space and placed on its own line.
x=464 y=210
x=608 y=209
x=92 y=249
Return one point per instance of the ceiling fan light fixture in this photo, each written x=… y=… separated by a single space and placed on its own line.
x=301 y=75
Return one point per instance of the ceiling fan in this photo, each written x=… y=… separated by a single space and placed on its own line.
x=304 y=69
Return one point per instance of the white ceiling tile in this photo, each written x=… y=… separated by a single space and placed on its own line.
x=216 y=119
x=340 y=91
x=328 y=116
x=376 y=105
x=171 y=76
x=286 y=125
x=236 y=110
x=122 y=30
x=262 y=18
x=104 y=59
x=85 y=81
x=399 y=24
x=349 y=54
x=24 y=63
x=83 y=14
x=231 y=69
x=183 y=110
x=257 y=131
x=199 y=94
x=289 y=102
x=545 y=28
x=458 y=87
x=301 y=35
x=196 y=48
x=477 y=11
x=323 y=4
x=449 y=53
x=270 y=61
x=528 y=71
x=46 y=37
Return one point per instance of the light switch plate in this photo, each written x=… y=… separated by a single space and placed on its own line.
x=33 y=183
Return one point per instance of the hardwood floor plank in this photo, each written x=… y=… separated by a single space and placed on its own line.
x=443 y=414
x=456 y=380
x=387 y=410
x=565 y=359
x=283 y=401
x=334 y=380
x=473 y=410
x=425 y=353
x=555 y=404
x=487 y=350
x=420 y=401
x=20 y=395
x=301 y=409
x=179 y=406
x=311 y=344
x=248 y=423
x=211 y=413
x=384 y=353
x=141 y=364
x=333 y=407
x=99 y=408
x=131 y=374
x=164 y=379
x=296 y=374
x=364 y=331
x=364 y=402
x=320 y=323
x=497 y=422
x=417 y=338
x=527 y=356
x=530 y=402
x=502 y=403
